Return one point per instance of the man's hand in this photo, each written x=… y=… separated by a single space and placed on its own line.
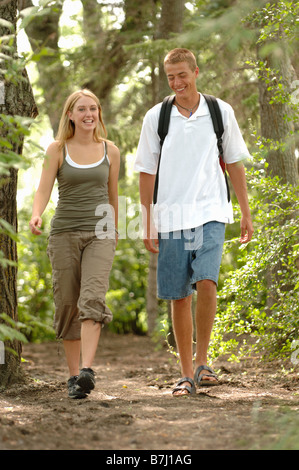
x=237 y=175
x=150 y=239
x=151 y=244
x=246 y=230
x=150 y=235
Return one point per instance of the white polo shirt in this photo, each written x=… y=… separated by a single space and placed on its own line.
x=192 y=189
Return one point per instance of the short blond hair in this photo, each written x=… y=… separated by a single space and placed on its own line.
x=181 y=55
x=66 y=127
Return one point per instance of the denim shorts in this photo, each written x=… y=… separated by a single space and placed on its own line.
x=188 y=256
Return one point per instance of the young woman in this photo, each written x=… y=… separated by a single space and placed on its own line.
x=83 y=231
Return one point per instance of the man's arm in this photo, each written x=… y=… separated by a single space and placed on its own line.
x=237 y=176
x=146 y=188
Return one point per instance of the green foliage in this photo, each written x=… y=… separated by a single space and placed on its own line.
x=12 y=131
x=258 y=304
x=277 y=21
x=223 y=36
x=128 y=280
x=35 y=298
x=29 y=14
x=127 y=293
x=10 y=329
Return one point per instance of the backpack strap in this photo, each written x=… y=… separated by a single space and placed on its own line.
x=217 y=122
x=219 y=129
x=163 y=125
x=165 y=117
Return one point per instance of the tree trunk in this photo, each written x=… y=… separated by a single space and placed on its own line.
x=151 y=294
x=43 y=32
x=8 y=275
x=169 y=23
x=18 y=100
x=108 y=50
x=277 y=126
x=276 y=118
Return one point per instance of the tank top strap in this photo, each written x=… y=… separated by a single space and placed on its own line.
x=64 y=152
x=106 y=152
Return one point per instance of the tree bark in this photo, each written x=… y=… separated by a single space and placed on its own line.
x=277 y=118
x=169 y=23
x=172 y=15
x=43 y=33
x=107 y=48
x=18 y=100
x=277 y=126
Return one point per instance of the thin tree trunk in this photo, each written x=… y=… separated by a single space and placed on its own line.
x=171 y=22
x=18 y=100
x=276 y=118
x=43 y=32
x=151 y=294
x=277 y=126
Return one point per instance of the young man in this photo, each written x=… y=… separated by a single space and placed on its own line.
x=192 y=209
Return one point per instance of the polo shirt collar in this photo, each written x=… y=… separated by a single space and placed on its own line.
x=202 y=110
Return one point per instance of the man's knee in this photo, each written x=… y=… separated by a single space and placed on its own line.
x=183 y=301
x=206 y=286
x=181 y=306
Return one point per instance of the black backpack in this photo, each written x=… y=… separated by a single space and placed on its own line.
x=218 y=128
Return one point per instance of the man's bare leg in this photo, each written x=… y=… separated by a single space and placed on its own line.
x=205 y=316
x=183 y=331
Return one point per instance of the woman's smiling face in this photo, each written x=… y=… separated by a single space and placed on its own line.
x=85 y=113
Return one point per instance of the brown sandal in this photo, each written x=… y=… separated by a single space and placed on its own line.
x=200 y=381
x=191 y=390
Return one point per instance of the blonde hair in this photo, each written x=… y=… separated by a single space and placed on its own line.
x=66 y=127
x=181 y=55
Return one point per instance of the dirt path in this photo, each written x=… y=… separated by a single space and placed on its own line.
x=132 y=407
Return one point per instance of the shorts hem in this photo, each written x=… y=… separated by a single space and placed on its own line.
x=205 y=278
x=67 y=337
x=103 y=318
x=193 y=284
x=170 y=297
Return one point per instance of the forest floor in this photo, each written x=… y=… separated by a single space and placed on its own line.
x=254 y=408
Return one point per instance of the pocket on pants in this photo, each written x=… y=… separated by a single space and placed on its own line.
x=59 y=251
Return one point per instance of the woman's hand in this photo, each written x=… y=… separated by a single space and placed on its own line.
x=35 y=225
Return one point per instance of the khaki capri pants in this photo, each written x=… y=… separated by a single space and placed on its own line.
x=81 y=265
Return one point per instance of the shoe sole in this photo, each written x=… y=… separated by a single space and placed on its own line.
x=85 y=382
x=78 y=395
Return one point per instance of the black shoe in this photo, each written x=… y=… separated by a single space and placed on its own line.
x=86 y=380
x=75 y=390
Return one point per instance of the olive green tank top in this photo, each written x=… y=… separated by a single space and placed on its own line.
x=83 y=202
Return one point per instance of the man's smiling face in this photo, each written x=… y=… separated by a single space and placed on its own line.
x=182 y=80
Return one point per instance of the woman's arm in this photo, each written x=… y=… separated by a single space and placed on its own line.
x=44 y=190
